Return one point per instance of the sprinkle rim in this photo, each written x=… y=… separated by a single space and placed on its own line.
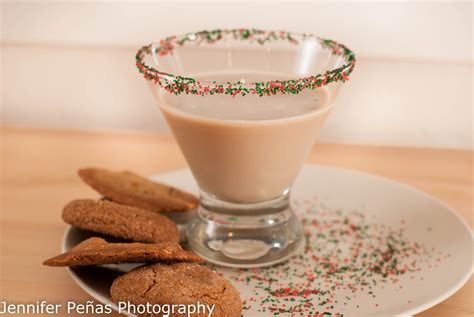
x=177 y=84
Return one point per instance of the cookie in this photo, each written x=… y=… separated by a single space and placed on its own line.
x=131 y=189
x=120 y=221
x=180 y=283
x=94 y=251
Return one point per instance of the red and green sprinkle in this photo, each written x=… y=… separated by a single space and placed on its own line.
x=179 y=84
x=346 y=256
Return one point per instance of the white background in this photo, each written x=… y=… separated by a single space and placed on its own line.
x=71 y=64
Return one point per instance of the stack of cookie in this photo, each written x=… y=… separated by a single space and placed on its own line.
x=131 y=210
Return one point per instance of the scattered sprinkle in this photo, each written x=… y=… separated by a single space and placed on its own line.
x=346 y=256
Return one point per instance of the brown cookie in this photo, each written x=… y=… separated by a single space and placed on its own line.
x=131 y=189
x=95 y=251
x=180 y=283
x=120 y=221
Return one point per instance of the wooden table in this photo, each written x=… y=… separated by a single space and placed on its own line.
x=39 y=178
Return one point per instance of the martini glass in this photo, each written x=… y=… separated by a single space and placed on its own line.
x=245 y=107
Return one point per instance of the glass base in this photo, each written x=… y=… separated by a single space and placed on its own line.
x=245 y=235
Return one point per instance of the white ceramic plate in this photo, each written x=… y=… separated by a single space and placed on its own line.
x=355 y=213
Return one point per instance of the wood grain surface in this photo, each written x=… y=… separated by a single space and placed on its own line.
x=38 y=177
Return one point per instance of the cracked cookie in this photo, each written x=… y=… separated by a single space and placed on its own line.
x=120 y=221
x=94 y=251
x=180 y=283
x=131 y=189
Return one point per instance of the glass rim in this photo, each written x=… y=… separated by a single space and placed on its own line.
x=177 y=84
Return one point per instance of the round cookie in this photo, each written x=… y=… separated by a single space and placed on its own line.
x=180 y=283
x=95 y=251
x=120 y=221
x=131 y=189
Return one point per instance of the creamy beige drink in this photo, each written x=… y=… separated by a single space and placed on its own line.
x=245 y=149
